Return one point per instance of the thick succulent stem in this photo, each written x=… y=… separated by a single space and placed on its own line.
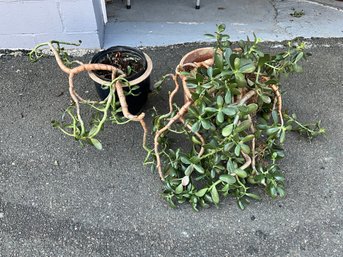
x=159 y=133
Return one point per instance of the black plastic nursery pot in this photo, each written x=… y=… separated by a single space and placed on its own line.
x=118 y=56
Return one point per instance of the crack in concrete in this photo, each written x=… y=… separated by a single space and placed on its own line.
x=273 y=4
x=275 y=18
x=58 y=4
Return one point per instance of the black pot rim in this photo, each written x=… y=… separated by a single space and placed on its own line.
x=134 y=81
x=124 y=49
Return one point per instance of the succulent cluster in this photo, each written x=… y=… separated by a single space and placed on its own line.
x=232 y=125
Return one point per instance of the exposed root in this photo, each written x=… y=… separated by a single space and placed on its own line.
x=183 y=110
x=126 y=112
x=247 y=96
x=247 y=161
x=278 y=96
x=279 y=101
x=172 y=94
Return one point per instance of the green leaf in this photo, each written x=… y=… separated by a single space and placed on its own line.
x=240 y=79
x=272 y=130
x=271 y=190
x=218 y=61
x=96 y=143
x=215 y=195
x=179 y=189
x=241 y=173
x=196 y=126
x=220 y=100
x=247 y=138
x=209 y=35
x=228 y=179
x=211 y=109
x=240 y=204
x=283 y=136
x=196 y=141
x=185 y=160
x=195 y=159
x=229 y=111
x=199 y=168
x=201 y=192
x=227 y=130
x=185 y=180
x=192 y=85
x=237 y=63
x=266 y=99
x=227 y=54
x=299 y=56
x=220 y=117
x=206 y=124
x=210 y=72
x=281 y=191
x=189 y=170
x=275 y=116
x=228 y=97
x=243 y=109
x=245 y=148
x=93 y=130
x=252 y=108
x=243 y=126
x=228 y=146
x=230 y=166
x=253 y=196
x=238 y=150
x=279 y=177
x=221 y=27
x=247 y=68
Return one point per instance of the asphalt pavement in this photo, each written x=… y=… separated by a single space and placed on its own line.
x=60 y=199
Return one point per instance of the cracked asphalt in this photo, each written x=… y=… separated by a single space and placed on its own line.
x=59 y=199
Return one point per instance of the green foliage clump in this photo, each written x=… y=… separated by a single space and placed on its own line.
x=236 y=109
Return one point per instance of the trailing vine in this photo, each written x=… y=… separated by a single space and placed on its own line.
x=113 y=109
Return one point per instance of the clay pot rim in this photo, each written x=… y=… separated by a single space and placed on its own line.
x=204 y=49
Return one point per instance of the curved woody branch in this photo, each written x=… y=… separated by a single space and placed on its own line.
x=76 y=98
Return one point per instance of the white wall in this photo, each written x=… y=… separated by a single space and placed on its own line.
x=24 y=23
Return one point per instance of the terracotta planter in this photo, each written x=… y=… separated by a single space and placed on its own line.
x=189 y=61
x=199 y=55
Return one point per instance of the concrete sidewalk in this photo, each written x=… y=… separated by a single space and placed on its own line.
x=163 y=22
x=58 y=199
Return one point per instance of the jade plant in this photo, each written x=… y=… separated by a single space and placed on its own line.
x=231 y=124
x=113 y=109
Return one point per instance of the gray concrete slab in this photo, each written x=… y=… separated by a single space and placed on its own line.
x=156 y=22
x=58 y=199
